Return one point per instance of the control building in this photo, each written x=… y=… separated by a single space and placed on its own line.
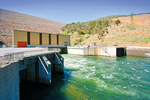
x=21 y=30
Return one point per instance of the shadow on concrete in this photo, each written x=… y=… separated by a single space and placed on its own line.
x=35 y=91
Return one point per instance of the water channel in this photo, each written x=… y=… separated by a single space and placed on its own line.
x=95 y=78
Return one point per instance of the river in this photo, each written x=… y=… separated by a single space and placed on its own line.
x=95 y=78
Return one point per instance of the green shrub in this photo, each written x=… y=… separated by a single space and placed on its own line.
x=115 y=44
x=81 y=32
x=117 y=22
x=92 y=27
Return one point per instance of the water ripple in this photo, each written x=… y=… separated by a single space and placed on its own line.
x=108 y=78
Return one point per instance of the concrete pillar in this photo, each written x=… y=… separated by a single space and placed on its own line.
x=9 y=82
x=59 y=63
x=31 y=72
x=51 y=59
x=44 y=70
x=23 y=74
x=64 y=50
x=90 y=51
x=98 y=51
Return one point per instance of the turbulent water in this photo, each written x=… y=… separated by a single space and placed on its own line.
x=96 y=78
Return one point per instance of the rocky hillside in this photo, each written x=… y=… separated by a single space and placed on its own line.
x=132 y=30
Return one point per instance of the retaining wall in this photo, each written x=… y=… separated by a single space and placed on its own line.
x=82 y=50
x=99 y=50
x=138 y=51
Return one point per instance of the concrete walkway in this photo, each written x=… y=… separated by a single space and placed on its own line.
x=4 y=51
x=36 y=53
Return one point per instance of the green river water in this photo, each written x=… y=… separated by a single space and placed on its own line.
x=95 y=78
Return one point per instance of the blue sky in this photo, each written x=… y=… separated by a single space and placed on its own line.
x=69 y=11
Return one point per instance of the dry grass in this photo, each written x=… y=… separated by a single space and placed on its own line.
x=123 y=35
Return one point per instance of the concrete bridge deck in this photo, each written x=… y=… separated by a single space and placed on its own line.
x=11 y=54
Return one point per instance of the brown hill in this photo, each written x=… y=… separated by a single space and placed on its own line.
x=10 y=21
x=129 y=32
x=138 y=20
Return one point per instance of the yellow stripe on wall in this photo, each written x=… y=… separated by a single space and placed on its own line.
x=19 y=36
x=45 y=39
x=34 y=38
x=63 y=39
x=53 y=39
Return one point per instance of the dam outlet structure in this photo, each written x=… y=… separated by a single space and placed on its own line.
x=36 y=66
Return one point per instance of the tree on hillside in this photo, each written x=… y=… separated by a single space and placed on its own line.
x=98 y=27
x=132 y=23
x=131 y=18
x=117 y=22
x=100 y=33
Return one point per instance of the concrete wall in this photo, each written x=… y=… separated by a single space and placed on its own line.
x=83 y=50
x=9 y=82
x=90 y=51
x=53 y=39
x=34 y=38
x=76 y=50
x=103 y=51
x=45 y=39
x=98 y=50
x=19 y=36
x=138 y=51
x=31 y=72
x=108 y=51
x=63 y=39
